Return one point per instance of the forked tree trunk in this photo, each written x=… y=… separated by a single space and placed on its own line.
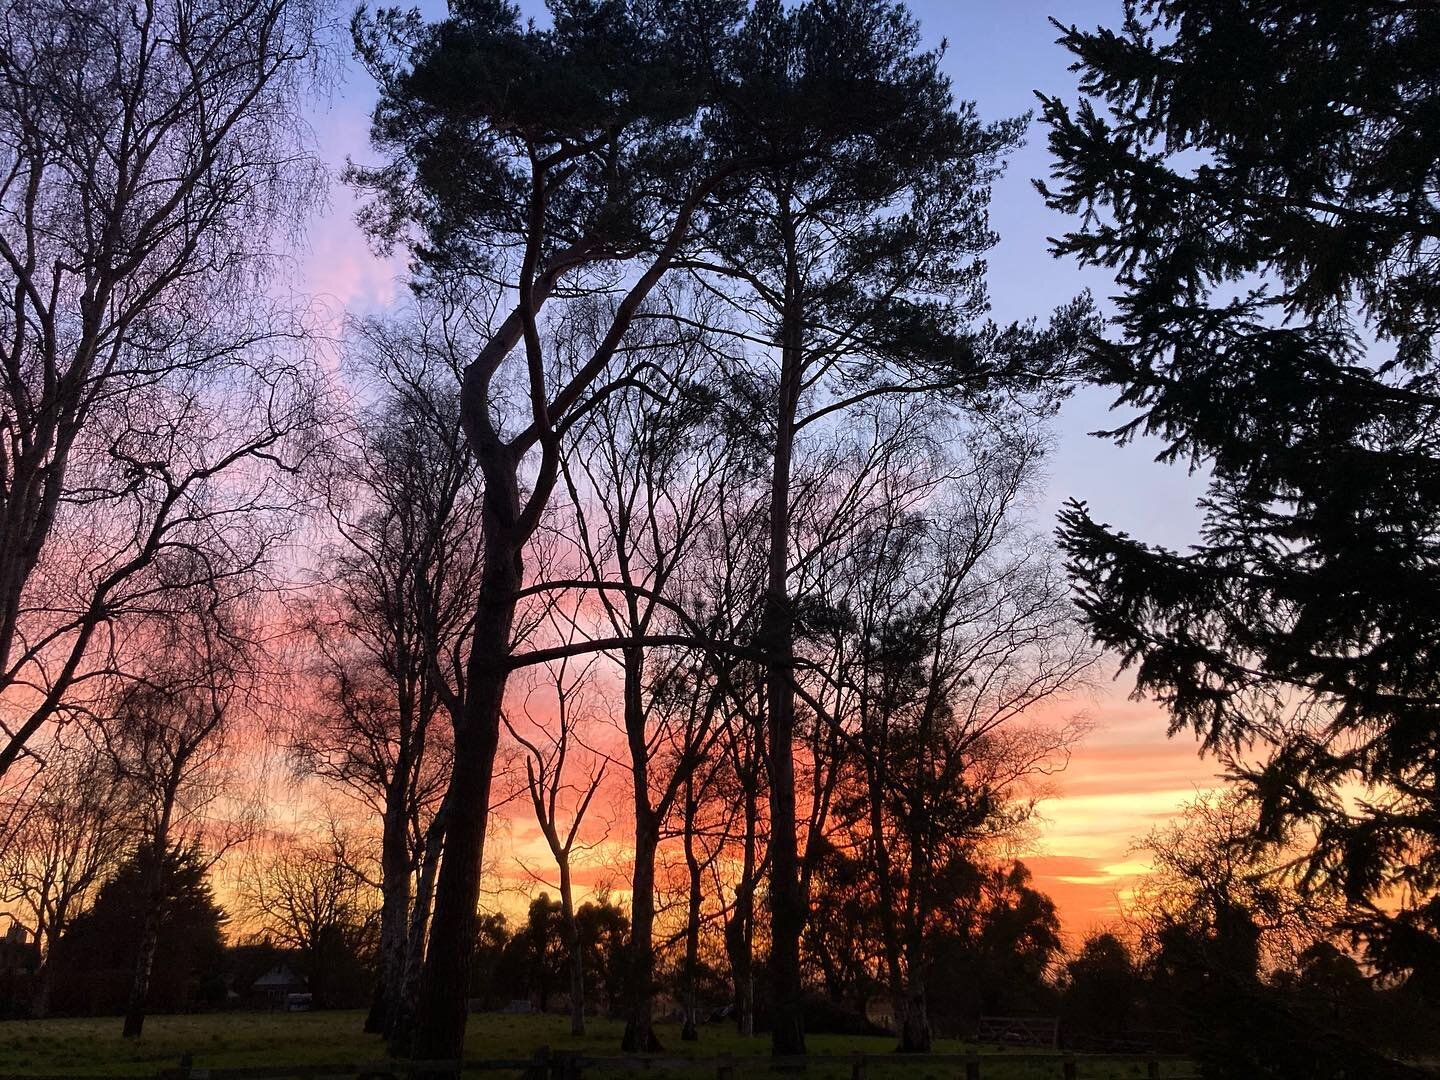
x=400 y=1035
x=394 y=909
x=445 y=980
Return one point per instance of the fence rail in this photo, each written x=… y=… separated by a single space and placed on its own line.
x=546 y=1064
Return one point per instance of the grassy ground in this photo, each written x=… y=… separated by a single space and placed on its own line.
x=93 y=1047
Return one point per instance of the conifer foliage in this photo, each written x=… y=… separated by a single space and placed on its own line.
x=1264 y=179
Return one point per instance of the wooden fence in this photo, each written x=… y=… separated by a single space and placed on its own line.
x=1024 y=1030
x=572 y=1065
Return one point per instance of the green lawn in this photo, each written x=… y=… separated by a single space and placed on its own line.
x=93 y=1047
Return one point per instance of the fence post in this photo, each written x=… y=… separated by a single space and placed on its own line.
x=972 y=1067
x=1152 y=1070
x=187 y=1062
x=725 y=1068
x=857 y=1066
x=564 y=1064
x=1069 y=1067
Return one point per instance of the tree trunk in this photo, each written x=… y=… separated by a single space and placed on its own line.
x=787 y=913
x=577 y=986
x=690 y=1032
x=149 y=938
x=787 y=916
x=740 y=927
x=885 y=892
x=40 y=994
x=577 y=957
x=640 y=956
x=402 y=1023
x=445 y=979
x=914 y=1018
x=640 y=968
x=394 y=909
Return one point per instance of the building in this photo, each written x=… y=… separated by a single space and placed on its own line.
x=277 y=985
x=18 y=954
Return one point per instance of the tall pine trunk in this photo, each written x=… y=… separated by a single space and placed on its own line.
x=445 y=979
x=787 y=906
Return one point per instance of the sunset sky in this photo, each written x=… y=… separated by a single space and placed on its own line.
x=1126 y=777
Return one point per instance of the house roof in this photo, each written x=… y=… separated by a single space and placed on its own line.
x=277 y=979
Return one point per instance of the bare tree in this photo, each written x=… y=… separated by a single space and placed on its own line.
x=147 y=392
x=746 y=769
x=645 y=473
x=952 y=624
x=705 y=820
x=304 y=895
x=168 y=732
x=1215 y=900
x=550 y=751
x=71 y=830
x=727 y=584
x=391 y=617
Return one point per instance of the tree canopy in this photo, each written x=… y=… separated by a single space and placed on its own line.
x=1264 y=180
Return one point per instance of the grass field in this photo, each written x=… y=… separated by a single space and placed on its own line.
x=93 y=1047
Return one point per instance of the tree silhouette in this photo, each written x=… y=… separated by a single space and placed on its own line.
x=1264 y=178
x=853 y=256
x=152 y=398
x=98 y=956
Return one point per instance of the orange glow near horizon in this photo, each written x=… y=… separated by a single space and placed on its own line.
x=1125 y=779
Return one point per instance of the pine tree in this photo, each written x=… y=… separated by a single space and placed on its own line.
x=97 y=956
x=557 y=172
x=1263 y=177
x=856 y=251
